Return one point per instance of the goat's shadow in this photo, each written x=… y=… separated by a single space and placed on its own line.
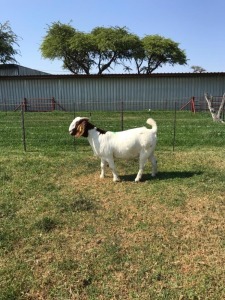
x=162 y=176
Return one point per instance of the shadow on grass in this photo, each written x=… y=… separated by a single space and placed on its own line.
x=163 y=176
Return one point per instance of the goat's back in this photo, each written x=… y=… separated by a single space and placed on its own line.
x=128 y=143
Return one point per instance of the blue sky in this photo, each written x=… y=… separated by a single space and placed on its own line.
x=197 y=25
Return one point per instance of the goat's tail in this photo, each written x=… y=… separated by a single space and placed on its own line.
x=152 y=123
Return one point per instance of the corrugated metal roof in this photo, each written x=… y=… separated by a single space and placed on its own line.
x=84 y=76
x=17 y=70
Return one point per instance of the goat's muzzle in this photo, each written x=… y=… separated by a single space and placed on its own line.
x=73 y=131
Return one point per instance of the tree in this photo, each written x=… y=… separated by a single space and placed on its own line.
x=81 y=52
x=197 y=69
x=58 y=44
x=83 y=47
x=8 y=39
x=114 y=46
x=157 y=51
x=104 y=48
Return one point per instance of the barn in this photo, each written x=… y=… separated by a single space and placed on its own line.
x=18 y=70
x=107 y=92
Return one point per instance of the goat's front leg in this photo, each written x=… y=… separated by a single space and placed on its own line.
x=139 y=174
x=103 y=165
x=112 y=167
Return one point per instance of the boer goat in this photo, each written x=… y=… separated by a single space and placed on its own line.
x=107 y=145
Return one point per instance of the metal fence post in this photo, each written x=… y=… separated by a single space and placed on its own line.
x=53 y=104
x=5 y=107
x=24 y=104
x=23 y=127
x=174 y=124
x=74 y=115
x=223 y=112
x=74 y=110
x=122 y=115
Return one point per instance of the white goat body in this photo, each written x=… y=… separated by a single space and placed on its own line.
x=138 y=142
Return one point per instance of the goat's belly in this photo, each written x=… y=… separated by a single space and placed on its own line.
x=126 y=153
x=124 y=156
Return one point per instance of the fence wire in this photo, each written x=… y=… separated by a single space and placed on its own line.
x=36 y=130
x=71 y=105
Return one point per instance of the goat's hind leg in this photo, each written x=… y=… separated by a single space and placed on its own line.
x=142 y=161
x=154 y=165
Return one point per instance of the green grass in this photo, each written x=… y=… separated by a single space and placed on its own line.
x=49 y=131
x=66 y=234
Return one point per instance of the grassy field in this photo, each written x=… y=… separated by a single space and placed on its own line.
x=65 y=234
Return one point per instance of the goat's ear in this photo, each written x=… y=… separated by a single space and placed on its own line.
x=80 y=129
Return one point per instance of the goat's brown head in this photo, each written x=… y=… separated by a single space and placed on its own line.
x=80 y=126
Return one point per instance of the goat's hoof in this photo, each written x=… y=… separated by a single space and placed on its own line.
x=116 y=180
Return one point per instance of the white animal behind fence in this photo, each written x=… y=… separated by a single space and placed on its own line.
x=107 y=145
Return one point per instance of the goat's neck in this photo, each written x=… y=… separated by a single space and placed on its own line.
x=94 y=140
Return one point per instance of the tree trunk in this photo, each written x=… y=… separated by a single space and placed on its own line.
x=215 y=115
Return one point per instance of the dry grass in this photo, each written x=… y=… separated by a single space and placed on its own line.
x=66 y=234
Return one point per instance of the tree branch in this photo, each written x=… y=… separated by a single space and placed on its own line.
x=103 y=67
x=221 y=107
x=216 y=116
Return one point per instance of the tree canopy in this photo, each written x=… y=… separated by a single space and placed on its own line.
x=113 y=46
x=158 y=51
x=198 y=69
x=8 y=40
x=104 y=48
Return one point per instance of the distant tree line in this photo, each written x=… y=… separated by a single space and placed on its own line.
x=99 y=51
x=104 y=48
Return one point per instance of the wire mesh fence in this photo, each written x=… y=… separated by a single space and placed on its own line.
x=71 y=105
x=194 y=104
x=41 y=129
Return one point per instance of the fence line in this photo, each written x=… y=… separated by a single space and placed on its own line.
x=52 y=104
x=194 y=104
x=34 y=131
